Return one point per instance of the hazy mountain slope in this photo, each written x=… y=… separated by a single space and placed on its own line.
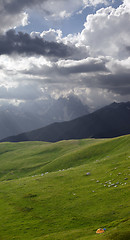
x=27 y=117
x=110 y=121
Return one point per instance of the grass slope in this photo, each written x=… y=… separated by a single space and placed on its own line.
x=65 y=203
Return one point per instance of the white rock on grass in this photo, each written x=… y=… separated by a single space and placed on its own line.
x=88 y=173
x=113 y=184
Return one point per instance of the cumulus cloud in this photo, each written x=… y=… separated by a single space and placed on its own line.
x=107 y=32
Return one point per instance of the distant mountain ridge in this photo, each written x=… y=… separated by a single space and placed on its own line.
x=27 y=117
x=110 y=121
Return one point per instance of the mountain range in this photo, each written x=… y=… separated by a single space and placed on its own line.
x=29 y=116
x=110 y=121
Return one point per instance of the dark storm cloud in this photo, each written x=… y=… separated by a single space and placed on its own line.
x=75 y=67
x=116 y=83
x=128 y=48
x=23 y=43
x=16 y=6
x=84 y=68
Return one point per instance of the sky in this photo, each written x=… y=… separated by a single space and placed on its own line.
x=54 y=48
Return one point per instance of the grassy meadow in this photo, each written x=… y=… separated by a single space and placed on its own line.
x=65 y=190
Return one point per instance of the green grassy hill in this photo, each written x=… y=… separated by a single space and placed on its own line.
x=46 y=194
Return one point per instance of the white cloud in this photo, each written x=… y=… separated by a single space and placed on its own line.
x=117 y=66
x=107 y=32
x=52 y=35
x=95 y=2
x=127 y=3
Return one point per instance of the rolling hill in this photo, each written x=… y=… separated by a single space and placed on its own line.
x=65 y=190
x=110 y=121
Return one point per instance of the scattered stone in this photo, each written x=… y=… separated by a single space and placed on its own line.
x=42 y=174
x=109 y=185
x=105 y=185
x=88 y=173
x=119 y=173
x=113 y=184
x=117 y=183
x=46 y=173
x=126 y=178
x=97 y=181
x=93 y=191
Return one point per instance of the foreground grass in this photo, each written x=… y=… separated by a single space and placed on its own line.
x=65 y=203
